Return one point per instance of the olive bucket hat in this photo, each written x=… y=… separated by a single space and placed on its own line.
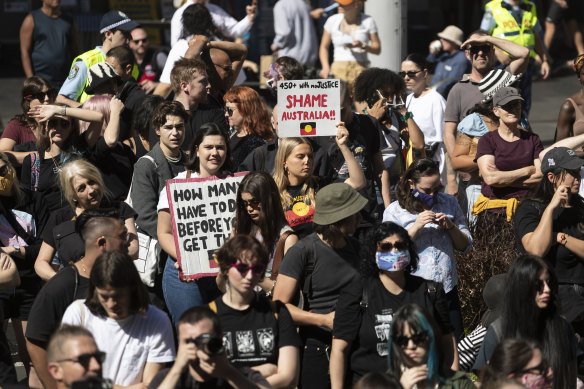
x=335 y=202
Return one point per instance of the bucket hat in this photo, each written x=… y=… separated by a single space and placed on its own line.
x=335 y=202
x=453 y=34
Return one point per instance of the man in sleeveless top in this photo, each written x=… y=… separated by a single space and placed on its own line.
x=47 y=43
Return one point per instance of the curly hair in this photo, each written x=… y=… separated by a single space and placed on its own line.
x=232 y=251
x=372 y=79
x=253 y=109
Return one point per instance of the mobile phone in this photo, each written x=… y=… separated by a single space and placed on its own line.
x=124 y=92
x=371 y=100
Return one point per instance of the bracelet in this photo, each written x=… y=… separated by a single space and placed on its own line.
x=406 y=116
x=63 y=111
x=269 y=293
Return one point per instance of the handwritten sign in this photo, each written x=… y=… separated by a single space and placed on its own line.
x=308 y=107
x=202 y=210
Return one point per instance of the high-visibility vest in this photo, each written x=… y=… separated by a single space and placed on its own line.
x=507 y=27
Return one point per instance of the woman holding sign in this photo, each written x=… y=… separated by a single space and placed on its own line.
x=210 y=156
x=293 y=175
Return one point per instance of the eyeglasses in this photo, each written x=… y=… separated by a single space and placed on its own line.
x=85 y=359
x=41 y=96
x=63 y=123
x=486 y=49
x=229 y=111
x=418 y=339
x=540 y=369
x=410 y=74
x=541 y=285
x=386 y=246
x=255 y=204
x=138 y=41
x=243 y=268
x=226 y=68
x=4 y=170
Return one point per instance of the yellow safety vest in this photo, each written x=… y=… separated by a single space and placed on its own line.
x=507 y=27
x=90 y=58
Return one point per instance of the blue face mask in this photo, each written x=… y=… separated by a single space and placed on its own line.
x=424 y=198
x=392 y=260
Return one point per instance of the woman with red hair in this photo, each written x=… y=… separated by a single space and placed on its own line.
x=249 y=121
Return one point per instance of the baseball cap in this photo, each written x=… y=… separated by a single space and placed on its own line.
x=562 y=158
x=506 y=95
x=99 y=74
x=116 y=20
x=453 y=34
x=335 y=202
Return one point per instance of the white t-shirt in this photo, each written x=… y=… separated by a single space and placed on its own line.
x=340 y=39
x=129 y=343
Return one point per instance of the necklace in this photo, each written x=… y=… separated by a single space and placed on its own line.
x=174 y=159
x=57 y=167
x=81 y=263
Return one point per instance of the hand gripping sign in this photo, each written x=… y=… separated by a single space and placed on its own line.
x=202 y=210
x=308 y=108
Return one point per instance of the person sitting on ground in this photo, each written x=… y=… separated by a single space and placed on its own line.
x=201 y=360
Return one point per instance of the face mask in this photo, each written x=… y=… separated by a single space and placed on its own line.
x=6 y=183
x=392 y=260
x=534 y=381
x=426 y=199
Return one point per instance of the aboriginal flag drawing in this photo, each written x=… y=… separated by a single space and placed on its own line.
x=308 y=128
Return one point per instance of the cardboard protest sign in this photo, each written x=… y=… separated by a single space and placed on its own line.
x=202 y=210
x=308 y=107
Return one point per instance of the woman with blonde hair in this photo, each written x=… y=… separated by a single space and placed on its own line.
x=249 y=121
x=293 y=174
x=83 y=188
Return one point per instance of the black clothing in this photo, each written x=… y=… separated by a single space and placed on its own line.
x=116 y=165
x=243 y=146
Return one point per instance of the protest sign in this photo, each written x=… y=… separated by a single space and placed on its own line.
x=202 y=210
x=308 y=107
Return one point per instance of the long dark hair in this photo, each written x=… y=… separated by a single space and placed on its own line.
x=369 y=267
x=208 y=129
x=263 y=188
x=424 y=167
x=31 y=87
x=544 y=191
x=522 y=318
x=116 y=270
x=197 y=20
x=511 y=357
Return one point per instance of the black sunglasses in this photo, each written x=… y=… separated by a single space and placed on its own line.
x=4 y=170
x=251 y=203
x=137 y=41
x=63 y=123
x=85 y=359
x=40 y=96
x=418 y=339
x=410 y=74
x=540 y=369
x=385 y=246
x=486 y=49
x=257 y=269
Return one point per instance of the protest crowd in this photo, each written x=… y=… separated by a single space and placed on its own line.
x=165 y=223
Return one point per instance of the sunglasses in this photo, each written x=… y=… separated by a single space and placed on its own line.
x=410 y=74
x=229 y=111
x=418 y=339
x=138 y=41
x=385 y=246
x=63 y=123
x=85 y=359
x=540 y=369
x=510 y=106
x=486 y=49
x=4 y=170
x=243 y=268
x=541 y=285
x=41 y=96
x=255 y=204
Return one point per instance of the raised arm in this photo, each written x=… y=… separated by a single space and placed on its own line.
x=356 y=176
x=112 y=131
x=323 y=54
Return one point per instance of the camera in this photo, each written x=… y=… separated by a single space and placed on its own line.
x=210 y=344
x=93 y=383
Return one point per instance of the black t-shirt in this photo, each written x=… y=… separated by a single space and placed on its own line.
x=52 y=301
x=60 y=231
x=243 y=146
x=199 y=117
x=186 y=381
x=253 y=336
x=116 y=165
x=334 y=269
x=300 y=214
x=369 y=328
x=568 y=266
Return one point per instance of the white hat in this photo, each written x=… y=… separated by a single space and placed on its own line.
x=495 y=80
x=452 y=34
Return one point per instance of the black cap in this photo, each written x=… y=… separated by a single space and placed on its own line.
x=506 y=95
x=116 y=20
x=99 y=74
x=560 y=158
